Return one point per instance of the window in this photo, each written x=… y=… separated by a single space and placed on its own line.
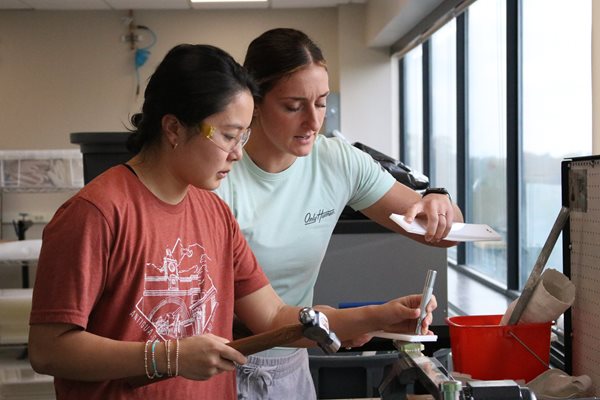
x=486 y=134
x=443 y=107
x=505 y=97
x=557 y=114
x=413 y=109
x=443 y=111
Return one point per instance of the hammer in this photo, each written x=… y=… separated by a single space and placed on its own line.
x=313 y=325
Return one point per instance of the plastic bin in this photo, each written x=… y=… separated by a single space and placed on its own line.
x=101 y=150
x=350 y=374
x=40 y=170
x=486 y=350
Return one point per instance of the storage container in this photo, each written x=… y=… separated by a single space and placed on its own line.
x=486 y=350
x=40 y=170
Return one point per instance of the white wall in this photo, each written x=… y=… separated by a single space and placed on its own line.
x=367 y=95
x=389 y=20
x=63 y=72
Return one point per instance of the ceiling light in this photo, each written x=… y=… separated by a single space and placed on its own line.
x=229 y=1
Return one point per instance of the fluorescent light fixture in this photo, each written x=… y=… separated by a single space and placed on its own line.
x=229 y=1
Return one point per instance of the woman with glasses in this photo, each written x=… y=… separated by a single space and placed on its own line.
x=291 y=186
x=140 y=272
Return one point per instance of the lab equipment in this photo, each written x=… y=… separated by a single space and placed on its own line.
x=415 y=373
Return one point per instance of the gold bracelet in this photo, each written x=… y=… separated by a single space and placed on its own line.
x=177 y=358
x=168 y=347
x=146 y=360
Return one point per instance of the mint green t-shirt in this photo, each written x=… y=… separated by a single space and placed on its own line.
x=288 y=217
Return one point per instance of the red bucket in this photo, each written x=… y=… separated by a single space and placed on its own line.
x=486 y=350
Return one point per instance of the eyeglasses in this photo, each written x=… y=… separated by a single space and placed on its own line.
x=225 y=141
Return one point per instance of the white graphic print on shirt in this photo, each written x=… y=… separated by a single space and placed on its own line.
x=179 y=297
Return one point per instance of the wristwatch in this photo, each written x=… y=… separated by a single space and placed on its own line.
x=438 y=190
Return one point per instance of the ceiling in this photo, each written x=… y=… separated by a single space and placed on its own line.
x=161 y=4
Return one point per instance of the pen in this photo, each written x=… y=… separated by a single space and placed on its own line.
x=427 y=291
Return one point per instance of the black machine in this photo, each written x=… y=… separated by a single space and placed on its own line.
x=402 y=172
x=415 y=373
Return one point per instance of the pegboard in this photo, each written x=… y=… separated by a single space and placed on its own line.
x=581 y=235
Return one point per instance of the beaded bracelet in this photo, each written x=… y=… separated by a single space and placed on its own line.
x=177 y=358
x=146 y=360
x=168 y=348
x=156 y=373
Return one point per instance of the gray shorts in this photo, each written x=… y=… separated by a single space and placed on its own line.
x=276 y=378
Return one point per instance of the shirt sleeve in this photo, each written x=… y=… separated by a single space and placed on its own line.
x=367 y=179
x=71 y=269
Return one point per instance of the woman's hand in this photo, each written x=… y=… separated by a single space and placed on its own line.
x=406 y=312
x=202 y=357
x=357 y=341
x=437 y=213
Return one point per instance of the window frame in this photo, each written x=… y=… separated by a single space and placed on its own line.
x=514 y=144
x=513 y=136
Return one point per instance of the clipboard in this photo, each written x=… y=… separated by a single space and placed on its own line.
x=460 y=232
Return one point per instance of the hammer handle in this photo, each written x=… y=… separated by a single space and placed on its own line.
x=266 y=340
x=246 y=346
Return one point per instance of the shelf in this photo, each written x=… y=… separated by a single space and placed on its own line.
x=36 y=171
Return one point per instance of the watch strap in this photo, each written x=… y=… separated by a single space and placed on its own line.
x=437 y=190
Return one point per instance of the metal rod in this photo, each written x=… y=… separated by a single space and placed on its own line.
x=534 y=276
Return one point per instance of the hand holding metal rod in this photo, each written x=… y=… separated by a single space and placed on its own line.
x=427 y=292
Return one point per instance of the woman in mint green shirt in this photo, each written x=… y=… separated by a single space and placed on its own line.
x=291 y=186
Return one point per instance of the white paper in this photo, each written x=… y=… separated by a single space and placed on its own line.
x=460 y=232
x=405 y=337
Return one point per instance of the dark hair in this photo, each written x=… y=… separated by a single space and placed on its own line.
x=280 y=52
x=192 y=82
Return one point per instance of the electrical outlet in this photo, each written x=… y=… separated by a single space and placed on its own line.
x=39 y=218
x=35 y=217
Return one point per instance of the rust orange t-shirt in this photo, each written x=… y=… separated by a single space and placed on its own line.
x=122 y=264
